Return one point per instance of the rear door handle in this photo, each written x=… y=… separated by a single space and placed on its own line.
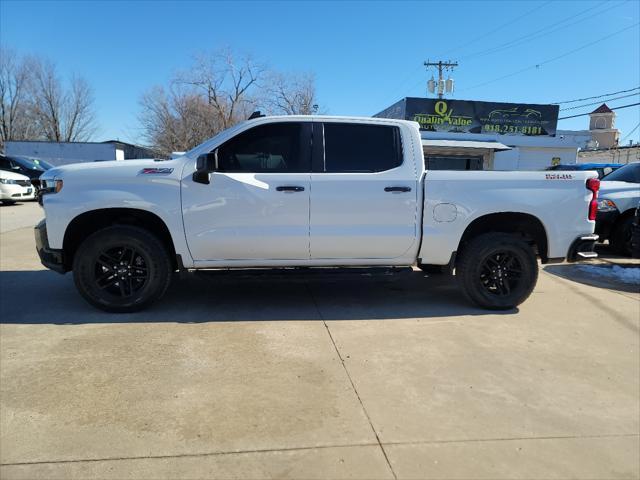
x=290 y=188
x=397 y=189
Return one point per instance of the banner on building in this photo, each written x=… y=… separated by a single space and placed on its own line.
x=467 y=116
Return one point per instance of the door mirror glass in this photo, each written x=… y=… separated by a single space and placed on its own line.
x=207 y=162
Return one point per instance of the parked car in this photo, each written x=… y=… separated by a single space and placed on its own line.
x=618 y=199
x=31 y=167
x=308 y=191
x=15 y=187
x=602 y=168
x=635 y=234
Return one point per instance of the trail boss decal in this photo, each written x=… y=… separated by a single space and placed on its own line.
x=558 y=176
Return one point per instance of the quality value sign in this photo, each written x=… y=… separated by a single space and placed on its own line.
x=476 y=117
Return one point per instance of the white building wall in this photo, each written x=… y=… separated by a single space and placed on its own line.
x=527 y=153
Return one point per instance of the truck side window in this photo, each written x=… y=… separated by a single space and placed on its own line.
x=361 y=148
x=274 y=147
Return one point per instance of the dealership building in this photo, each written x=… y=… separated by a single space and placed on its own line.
x=472 y=135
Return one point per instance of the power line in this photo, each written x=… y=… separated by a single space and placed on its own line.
x=613 y=108
x=631 y=132
x=414 y=71
x=541 y=32
x=597 y=96
x=596 y=103
x=566 y=54
x=491 y=32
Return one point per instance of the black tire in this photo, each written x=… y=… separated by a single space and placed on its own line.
x=497 y=271
x=621 y=237
x=635 y=240
x=122 y=269
x=8 y=202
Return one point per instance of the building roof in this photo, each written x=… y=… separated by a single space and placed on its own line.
x=603 y=109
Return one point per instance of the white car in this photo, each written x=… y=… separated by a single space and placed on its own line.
x=308 y=191
x=15 y=187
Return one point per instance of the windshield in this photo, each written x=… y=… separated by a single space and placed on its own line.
x=629 y=173
x=33 y=163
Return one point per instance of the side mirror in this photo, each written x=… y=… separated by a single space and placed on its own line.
x=205 y=164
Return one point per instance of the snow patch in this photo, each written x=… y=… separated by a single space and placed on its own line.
x=630 y=275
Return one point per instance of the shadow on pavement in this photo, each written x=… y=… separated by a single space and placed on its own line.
x=45 y=297
x=624 y=277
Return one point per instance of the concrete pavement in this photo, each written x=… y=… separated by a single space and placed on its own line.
x=315 y=375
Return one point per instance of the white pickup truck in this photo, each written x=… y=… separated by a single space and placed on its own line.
x=306 y=191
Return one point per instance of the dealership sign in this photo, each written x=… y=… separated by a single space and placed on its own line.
x=467 y=116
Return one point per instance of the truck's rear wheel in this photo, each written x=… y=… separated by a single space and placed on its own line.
x=497 y=271
x=121 y=269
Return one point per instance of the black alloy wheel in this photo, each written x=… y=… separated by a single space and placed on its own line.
x=501 y=273
x=497 y=271
x=122 y=269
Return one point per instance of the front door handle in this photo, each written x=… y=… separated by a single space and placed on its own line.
x=290 y=188
x=397 y=189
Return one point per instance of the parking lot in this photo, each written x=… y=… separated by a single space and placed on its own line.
x=371 y=373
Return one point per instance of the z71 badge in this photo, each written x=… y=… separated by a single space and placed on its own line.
x=156 y=171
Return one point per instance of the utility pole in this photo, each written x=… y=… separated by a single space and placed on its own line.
x=442 y=66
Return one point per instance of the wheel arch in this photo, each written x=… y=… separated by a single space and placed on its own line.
x=90 y=222
x=528 y=226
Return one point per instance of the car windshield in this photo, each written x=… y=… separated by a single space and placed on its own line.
x=629 y=173
x=33 y=163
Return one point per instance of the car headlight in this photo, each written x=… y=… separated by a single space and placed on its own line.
x=606 y=205
x=7 y=181
x=51 y=185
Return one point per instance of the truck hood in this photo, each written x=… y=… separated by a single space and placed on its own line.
x=611 y=187
x=110 y=169
x=12 y=175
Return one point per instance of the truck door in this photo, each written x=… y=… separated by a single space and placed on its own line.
x=257 y=205
x=364 y=197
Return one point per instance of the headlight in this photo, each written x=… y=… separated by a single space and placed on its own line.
x=51 y=185
x=605 y=205
x=7 y=181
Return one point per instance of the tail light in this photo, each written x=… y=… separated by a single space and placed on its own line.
x=593 y=185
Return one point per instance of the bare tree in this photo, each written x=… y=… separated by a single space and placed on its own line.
x=227 y=81
x=15 y=81
x=176 y=120
x=291 y=95
x=62 y=115
x=218 y=91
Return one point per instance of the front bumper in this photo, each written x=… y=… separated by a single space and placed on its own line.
x=582 y=248
x=51 y=258
x=17 y=193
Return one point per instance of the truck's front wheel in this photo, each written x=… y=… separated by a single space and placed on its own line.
x=121 y=269
x=497 y=271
